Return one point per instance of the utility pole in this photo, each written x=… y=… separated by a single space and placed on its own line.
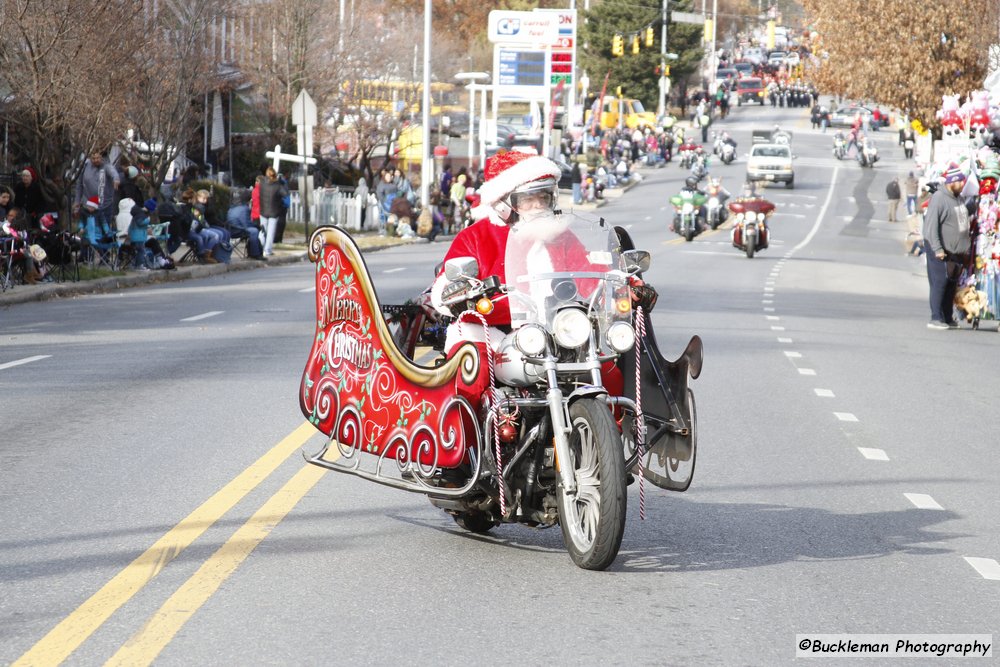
x=661 y=107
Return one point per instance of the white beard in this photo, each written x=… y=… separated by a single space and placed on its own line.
x=542 y=226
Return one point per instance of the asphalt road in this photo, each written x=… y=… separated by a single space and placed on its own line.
x=156 y=508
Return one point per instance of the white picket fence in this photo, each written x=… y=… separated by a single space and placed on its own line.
x=329 y=206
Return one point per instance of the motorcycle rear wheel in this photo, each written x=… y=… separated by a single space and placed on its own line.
x=593 y=520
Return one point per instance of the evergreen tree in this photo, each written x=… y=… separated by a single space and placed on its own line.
x=636 y=73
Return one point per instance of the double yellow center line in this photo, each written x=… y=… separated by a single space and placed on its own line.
x=145 y=645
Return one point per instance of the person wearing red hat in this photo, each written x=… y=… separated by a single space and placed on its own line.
x=519 y=189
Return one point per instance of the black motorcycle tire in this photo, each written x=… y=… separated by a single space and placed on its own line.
x=475 y=522
x=689 y=235
x=599 y=466
x=751 y=243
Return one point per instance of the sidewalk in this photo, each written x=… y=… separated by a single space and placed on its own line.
x=291 y=251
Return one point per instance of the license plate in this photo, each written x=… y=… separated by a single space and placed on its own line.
x=769 y=177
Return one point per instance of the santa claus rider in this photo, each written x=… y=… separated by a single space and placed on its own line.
x=519 y=190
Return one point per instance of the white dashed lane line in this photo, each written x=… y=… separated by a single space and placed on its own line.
x=307 y=290
x=21 y=362
x=396 y=270
x=203 y=316
x=987 y=567
x=845 y=416
x=777 y=328
x=793 y=355
x=784 y=340
x=772 y=318
x=824 y=393
x=806 y=371
x=873 y=454
x=923 y=501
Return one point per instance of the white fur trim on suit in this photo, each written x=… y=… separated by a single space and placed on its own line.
x=525 y=171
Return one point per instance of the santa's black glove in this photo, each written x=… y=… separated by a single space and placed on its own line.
x=643 y=295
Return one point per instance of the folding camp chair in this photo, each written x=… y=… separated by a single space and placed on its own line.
x=100 y=244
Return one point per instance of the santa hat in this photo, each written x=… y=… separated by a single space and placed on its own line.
x=507 y=170
x=30 y=171
x=47 y=221
x=93 y=203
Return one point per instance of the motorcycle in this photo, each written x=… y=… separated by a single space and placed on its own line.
x=727 y=153
x=688 y=151
x=839 y=146
x=750 y=231
x=687 y=212
x=868 y=154
x=699 y=166
x=715 y=206
x=529 y=434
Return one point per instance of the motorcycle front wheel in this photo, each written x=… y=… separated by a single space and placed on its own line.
x=593 y=520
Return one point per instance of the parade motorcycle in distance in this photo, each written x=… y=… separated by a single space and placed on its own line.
x=688 y=152
x=724 y=147
x=839 y=146
x=688 y=212
x=750 y=230
x=529 y=434
x=715 y=206
x=867 y=153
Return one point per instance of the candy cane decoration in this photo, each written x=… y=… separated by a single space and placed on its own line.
x=640 y=424
x=495 y=408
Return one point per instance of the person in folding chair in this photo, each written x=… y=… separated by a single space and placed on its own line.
x=98 y=238
x=242 y=228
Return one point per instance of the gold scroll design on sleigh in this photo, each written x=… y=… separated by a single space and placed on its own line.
x=389 y=419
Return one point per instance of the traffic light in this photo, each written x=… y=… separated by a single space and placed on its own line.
x=635 y=43
x=649 y=36
x=617 y=45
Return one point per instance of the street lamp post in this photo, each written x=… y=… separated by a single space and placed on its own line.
x=472 y=77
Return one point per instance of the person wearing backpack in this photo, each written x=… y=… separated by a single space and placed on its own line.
x=892 y=193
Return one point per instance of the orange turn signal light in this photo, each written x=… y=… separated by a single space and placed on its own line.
x=623 y=305
x=484 y=306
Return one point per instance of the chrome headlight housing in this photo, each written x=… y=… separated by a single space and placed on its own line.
x=571 y=328
x=687 y=208
x=530 y=340
x=621 y=336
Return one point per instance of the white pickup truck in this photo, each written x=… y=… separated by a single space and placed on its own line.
x=771 y=162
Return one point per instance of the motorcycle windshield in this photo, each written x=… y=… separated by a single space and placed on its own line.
x=562 y=262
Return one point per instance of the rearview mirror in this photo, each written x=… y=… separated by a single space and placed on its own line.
x=636 y=260
x=461 y=267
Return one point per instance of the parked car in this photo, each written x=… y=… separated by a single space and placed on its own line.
x=744 y=68
x=844 y=116
x=777 y=58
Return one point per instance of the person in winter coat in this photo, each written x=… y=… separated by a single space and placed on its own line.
x=892 y=194
x=29 y=198
x=272 y=192
x=947 y=241
x=241 y=226
x=100 y=180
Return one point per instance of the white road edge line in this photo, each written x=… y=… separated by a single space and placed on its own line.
x=873 y=454
x=987 y=567
x=21 y=362
x=211 y=313
x=822 y=212
x=923 y=501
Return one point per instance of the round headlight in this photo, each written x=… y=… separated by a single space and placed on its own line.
x=621 y=336
x=571 y=327
x=687 y=208
x=713 y=201
x=530 y=340
x=760 y=216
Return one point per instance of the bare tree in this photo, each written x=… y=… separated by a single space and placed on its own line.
x=166 y=80
x=65 y=65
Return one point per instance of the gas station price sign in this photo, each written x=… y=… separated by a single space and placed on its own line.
x=521 y=68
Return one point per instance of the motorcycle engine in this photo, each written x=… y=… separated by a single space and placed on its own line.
x=510 y=367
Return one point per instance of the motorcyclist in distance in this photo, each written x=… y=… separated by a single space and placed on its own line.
x=691 y=189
